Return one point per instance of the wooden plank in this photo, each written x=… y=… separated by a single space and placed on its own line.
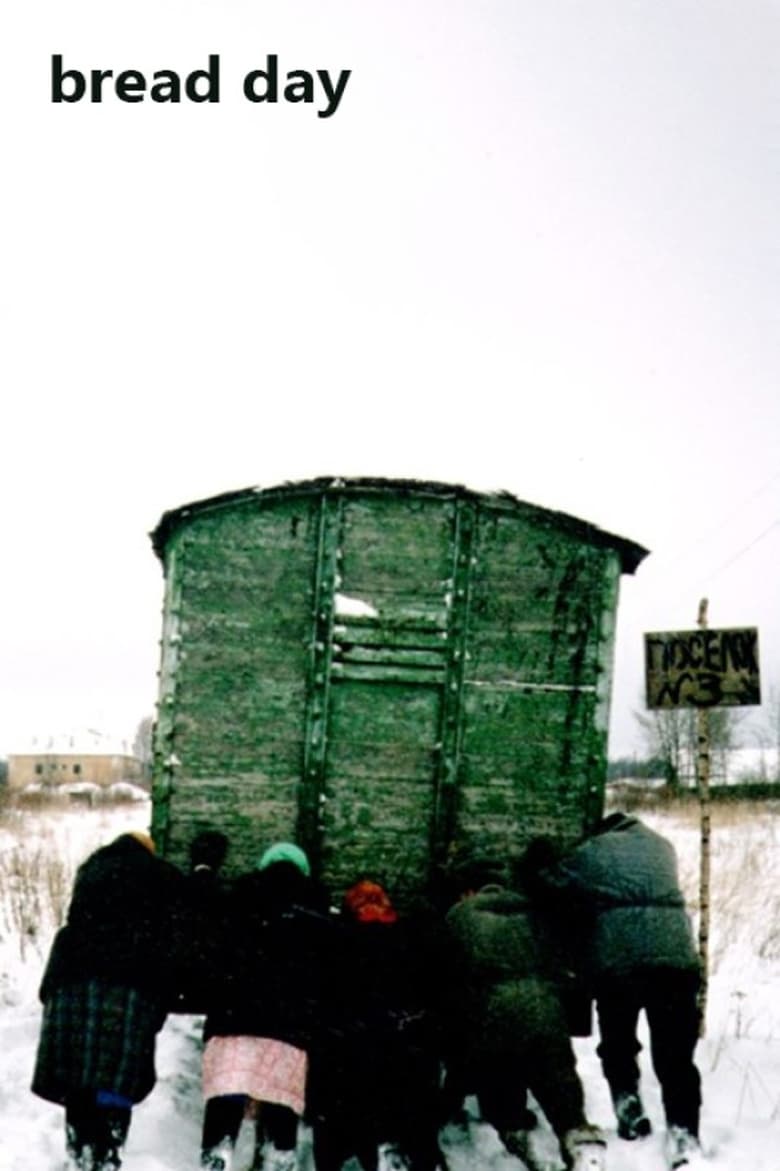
x=318 y=678
x=364 y=760
x=413 y=634
x=367 y=673
x=208 y=664
x=384 y=712
x=451 y=724
x=396 y=544
x=229 y=698
x=390 y=656
x=204 y=756
x=501 y=656
x=163 y=740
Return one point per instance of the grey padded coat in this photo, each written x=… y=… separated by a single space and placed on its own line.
x=624 y=880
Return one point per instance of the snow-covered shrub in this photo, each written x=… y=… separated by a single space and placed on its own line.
x=35 y=886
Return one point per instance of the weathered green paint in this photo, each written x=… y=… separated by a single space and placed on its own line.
x=444 y=828
x=382 y=670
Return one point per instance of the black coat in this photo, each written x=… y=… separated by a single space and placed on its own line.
x=376 y=1060
x=120 y=924
x=202 y=934
x=274 y=948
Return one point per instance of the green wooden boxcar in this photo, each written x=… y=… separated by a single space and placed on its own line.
x=383 y=671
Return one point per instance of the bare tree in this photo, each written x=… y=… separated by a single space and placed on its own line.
x=670 y=735
x=142 y=743
x=769 y=731
x=724 y=725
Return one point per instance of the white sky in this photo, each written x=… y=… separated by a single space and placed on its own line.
x=536 y=248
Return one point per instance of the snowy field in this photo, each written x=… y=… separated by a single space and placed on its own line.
x=739 y=1058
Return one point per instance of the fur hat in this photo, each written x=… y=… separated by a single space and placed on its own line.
x=368 y=902
x=285 y=852
x=472 y=870
x=541 y=853
x=208 y=850
x=143 y=839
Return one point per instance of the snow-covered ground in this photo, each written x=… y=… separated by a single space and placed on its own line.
x=739 y=1058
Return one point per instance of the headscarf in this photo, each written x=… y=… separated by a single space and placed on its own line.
x=368 y=902
x=285 y=852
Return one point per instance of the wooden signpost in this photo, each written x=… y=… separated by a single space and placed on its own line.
x=703 y=669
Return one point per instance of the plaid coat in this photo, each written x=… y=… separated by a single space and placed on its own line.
x=108 y=981
x=97 y=1036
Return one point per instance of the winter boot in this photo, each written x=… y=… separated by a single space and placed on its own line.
x=107 y=1161
x=80 y=1155
x=111 y=1161
x=270 y=1158
x=218 y=1158
x=682 y=1149
x=114 y=1127
x=631 y=1118
x=521 y=1144
x=584 y=1149
x=80 y=1159
x=390 y=1157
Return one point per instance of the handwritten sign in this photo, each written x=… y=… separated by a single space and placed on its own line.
x=702 y=668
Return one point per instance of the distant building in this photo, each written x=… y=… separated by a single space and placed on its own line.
x=82 y=757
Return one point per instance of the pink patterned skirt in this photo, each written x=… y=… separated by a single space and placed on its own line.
x=265 y=1070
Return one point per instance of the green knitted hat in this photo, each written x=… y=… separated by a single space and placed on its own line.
x=285 y=852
